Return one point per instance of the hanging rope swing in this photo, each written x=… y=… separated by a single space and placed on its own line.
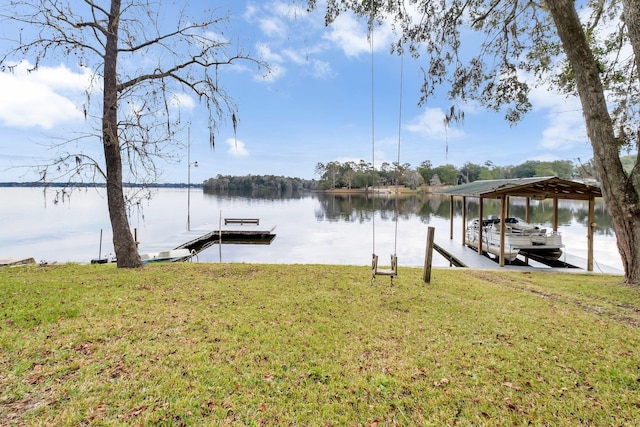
x=375 y=270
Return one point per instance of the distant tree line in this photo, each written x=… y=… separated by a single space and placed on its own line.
x=362 y=174
x=258 y=185
x=356 y=175
x=353 y=175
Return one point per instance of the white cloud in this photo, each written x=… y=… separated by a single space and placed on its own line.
x=317 y=68
x=350 y=35
x=236 y=148
x=267 y=54
x=287 y=30
x=295 y=56
x=322 y=70
x=273 y=27
x=182 y=100
x=565 y=130
x=290 y=11
x=274 y=18
x=250 y=12
x=430 y=124
x=216 y=37
x=275 y=72
x=565 y=127
x=275 y=61
x=46 y=98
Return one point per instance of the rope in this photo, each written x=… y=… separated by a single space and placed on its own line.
x=373 y=155
x=373 y=146
x=395 y=240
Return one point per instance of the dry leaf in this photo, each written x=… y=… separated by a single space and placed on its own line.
x=136 y=412
x=443 y=381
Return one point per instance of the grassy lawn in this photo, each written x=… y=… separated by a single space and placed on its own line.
x=241 y=344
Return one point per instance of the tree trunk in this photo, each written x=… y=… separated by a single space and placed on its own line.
x=631 y=19
x=123 y=242
x=620 y=196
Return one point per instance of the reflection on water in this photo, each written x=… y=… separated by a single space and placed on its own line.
x=350 y=208
x=314 y=228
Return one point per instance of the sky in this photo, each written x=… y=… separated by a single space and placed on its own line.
x=325 y=90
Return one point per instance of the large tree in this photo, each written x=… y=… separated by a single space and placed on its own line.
x=143 y=56
x=490 y=51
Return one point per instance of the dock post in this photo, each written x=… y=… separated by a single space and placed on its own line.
x=590 y=229
x=100 y=249
x=451 y=211
x=428 y=256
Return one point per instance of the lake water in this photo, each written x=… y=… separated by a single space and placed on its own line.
x=315 y=228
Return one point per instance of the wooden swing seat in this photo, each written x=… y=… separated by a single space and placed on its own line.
x=376 y=271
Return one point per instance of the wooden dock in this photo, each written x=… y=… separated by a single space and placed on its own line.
x=463 y=256
x=7 y=262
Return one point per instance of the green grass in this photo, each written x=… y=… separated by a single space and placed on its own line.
x=240 y=344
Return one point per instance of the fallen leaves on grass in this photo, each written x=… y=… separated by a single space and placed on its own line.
x=511 y=386
x=443 y=381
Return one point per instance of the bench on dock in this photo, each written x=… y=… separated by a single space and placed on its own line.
x=242 y=221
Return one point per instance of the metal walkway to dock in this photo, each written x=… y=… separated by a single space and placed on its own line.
x=7 y=262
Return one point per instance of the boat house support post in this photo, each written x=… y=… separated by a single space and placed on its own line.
x=480 y=227
x=555 y=214
x=504 y=208
x=591 y=221
x=451 y=216
x=527 y=215
x=464 y=217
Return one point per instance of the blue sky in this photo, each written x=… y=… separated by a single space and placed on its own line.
x=315 y=106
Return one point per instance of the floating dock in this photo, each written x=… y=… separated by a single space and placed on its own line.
x=197 y=240
x=229 y=237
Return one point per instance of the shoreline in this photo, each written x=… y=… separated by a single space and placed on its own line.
x=388 y=189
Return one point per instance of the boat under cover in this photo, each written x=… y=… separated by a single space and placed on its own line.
x=520 y=237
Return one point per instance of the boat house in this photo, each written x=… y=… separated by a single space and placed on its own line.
x=540 y=188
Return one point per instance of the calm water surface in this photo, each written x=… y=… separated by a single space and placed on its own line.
x=314 y=228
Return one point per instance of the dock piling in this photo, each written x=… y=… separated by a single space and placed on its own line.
x=428 y=256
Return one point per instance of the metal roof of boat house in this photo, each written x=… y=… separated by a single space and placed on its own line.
x=550 y=187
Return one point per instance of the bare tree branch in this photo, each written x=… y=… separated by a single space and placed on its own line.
x=138 y=126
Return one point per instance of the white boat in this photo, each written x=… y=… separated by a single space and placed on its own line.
x=520 y=237
x=490 y=241
x=174 y=255
x=541 y=243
